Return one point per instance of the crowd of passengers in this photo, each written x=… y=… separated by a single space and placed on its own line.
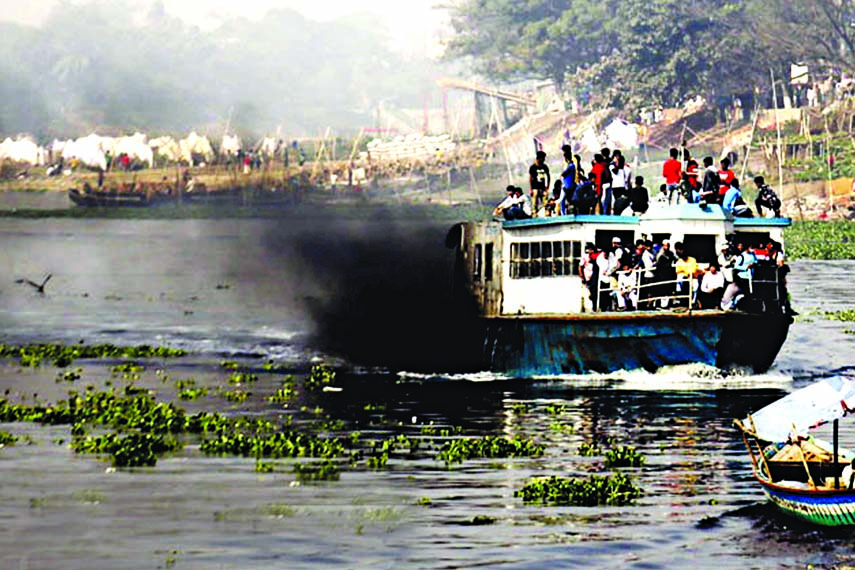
x=655 y=276
x=609 y=188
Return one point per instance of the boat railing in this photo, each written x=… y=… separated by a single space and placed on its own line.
x=763 y=292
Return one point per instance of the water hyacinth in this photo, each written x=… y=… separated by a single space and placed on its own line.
x=459 y=450
x=614 y=490
x=63 y=355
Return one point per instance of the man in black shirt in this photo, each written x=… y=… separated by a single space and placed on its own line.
x=539 y=180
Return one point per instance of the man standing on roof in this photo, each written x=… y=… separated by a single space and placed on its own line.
x=672 y=172
x=569 y=176
x=726 y=177
x=539 y=181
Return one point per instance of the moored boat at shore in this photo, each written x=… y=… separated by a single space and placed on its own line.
x=535 y=313
x=804 y=476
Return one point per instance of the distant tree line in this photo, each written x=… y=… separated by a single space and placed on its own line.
x=636 y=53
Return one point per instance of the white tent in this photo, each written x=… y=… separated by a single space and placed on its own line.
x=23 y=149
x=621 y=134
x=197 y=144
x=230 y=145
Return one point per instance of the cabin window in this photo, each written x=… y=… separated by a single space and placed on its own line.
x=488 y=262
x=544 y=259
x=476 y=264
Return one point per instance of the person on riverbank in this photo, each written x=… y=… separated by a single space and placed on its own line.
x=539 y=181
x=766 y=198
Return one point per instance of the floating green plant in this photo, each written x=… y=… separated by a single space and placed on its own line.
x=586 y=449
x=321 y=375
x=63 y=355
x=519 y=409
x=275 y=445
x=264 y=467
x=189 y=394
x=184 y=384
x=614 y=490
x=562 y=428
x=424 y=502
x=236 y=396
x=624 y=456
x=131 y=450
x=846 y=315
x=229 y=364
x=127 y=368
x=324 y=471
x=556 y=409
x=240 y=378
x=459 y=450
x=70 y=375
x=7 y=438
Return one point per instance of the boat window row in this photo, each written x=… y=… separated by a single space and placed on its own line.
x=545 y=259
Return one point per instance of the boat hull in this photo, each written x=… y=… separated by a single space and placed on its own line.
x=607 y=342
x=822 y=507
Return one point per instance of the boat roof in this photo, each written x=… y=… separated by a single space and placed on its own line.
x=675 y=212
x=804 y=409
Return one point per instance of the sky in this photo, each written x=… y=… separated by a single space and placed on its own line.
x=414 y=25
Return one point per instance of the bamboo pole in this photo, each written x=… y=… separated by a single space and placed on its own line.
x=750 y=143
x=778 y=129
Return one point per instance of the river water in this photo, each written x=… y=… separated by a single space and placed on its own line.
x=297 y=289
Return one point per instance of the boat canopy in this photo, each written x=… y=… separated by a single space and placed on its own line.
x=807 y=408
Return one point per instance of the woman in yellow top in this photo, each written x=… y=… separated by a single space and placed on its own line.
x=687 y=273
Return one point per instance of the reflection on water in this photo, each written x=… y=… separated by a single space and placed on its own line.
x=216 y=288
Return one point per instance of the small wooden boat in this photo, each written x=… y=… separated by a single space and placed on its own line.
x=802 y=475
x=90 y=197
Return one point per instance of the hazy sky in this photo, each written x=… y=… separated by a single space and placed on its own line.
x=413 y=24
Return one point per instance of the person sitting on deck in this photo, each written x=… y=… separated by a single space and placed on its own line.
x=584 y=197
x=733 y=202
x=766 y=198
x=515 y=206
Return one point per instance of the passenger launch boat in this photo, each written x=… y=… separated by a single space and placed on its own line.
x=805 y=477
x=534 y=316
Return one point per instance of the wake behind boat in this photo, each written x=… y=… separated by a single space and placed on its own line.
x=804 y=476
x=540 y=315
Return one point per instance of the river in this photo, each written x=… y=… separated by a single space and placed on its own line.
x=287 y=290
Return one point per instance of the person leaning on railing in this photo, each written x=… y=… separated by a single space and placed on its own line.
x=743 y=269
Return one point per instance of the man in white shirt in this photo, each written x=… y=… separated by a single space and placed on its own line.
x=712 y=288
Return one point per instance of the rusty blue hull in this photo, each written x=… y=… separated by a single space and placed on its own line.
x=607 y=342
